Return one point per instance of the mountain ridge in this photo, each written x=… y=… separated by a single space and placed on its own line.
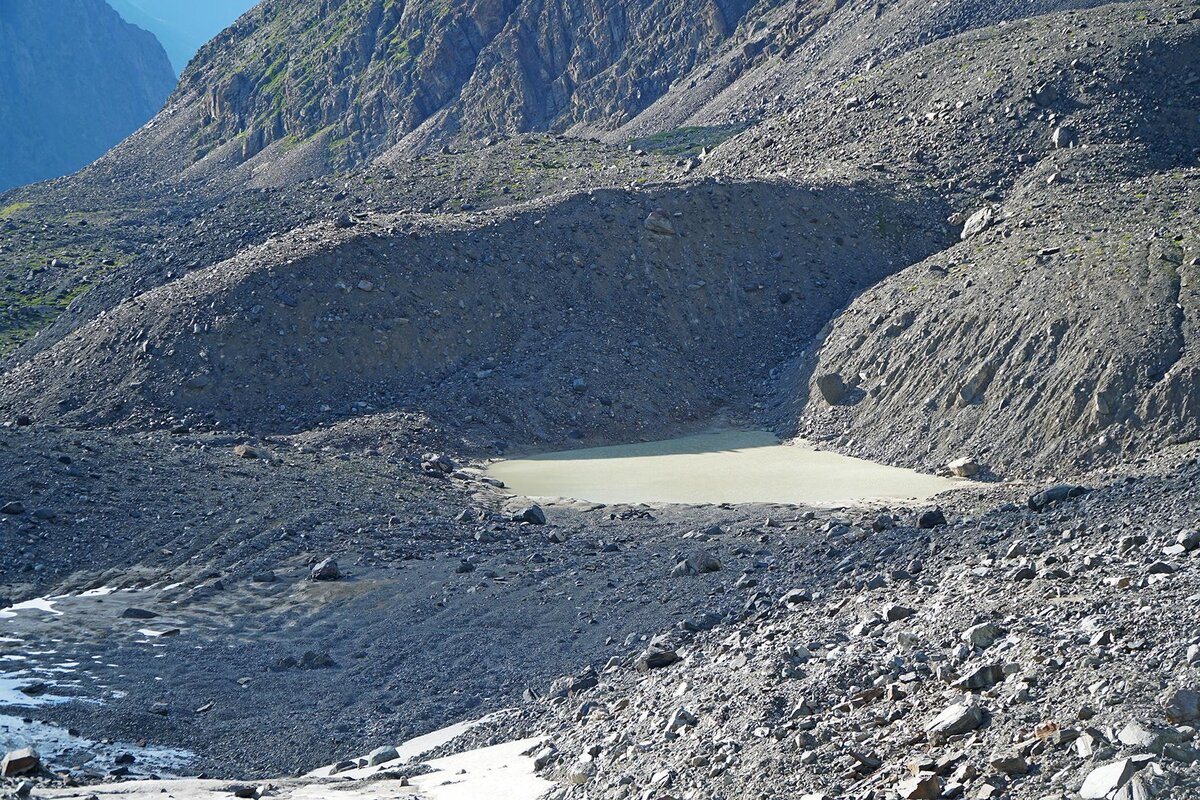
x=309 y=89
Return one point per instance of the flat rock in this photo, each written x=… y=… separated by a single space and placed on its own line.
x=955 y=720
x=1105 y=781
x=325 y=570
x=19 y=762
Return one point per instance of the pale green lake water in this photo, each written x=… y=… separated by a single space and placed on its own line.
x=728 y=467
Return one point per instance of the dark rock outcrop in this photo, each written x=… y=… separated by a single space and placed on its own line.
x=300 y=88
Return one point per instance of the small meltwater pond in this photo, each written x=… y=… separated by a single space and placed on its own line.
x=729 y=467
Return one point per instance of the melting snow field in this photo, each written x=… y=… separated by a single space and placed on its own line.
x=33 y=672
x=499 y=772
x=45 y=604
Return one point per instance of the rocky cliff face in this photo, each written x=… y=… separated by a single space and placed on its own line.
x=309 y=87
x=74 y=80
x=346 y=79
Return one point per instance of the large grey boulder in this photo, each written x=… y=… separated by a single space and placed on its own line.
x=832 y=388
x=19 y=762
x=955 y=720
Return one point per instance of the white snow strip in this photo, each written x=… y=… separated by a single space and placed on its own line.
x=499 y=772
x=410 y=750
x=153 y=634
x=37 y=604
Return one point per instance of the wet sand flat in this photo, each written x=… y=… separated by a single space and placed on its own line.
x=728 y=467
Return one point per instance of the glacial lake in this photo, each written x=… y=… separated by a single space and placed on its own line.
x=727 y=467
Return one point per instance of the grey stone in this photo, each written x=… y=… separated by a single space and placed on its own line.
x=1136 y=734
x=533 y=515
x=1105 y=781
x=978 y=222
x=381 y=755
x=1025 y=572
x=697 y=564
x=920 y=787
x=931 y=518
x=895 y=612
x=965 y=467
x=981 y=678
x=1064 y=137
x=19 y=762
x=659 y=223
x=972 y=389
x=1182 y=705
x=1045 y=94
x=1011 y=764
x=832 y=388
x=682 y=718
x=656 y=656
x=795 y=597
x=954 y=720
x=545 y=757
x=325 y=570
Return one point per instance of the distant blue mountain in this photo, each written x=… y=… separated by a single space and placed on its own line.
x=182 y=25
x=75 y=79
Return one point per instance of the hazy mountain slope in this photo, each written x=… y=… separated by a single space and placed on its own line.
x=75 y=79
x=182 y=27
x=298 y=88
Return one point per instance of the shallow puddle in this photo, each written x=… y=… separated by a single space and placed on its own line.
x=729 y=467
x=61 y=749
